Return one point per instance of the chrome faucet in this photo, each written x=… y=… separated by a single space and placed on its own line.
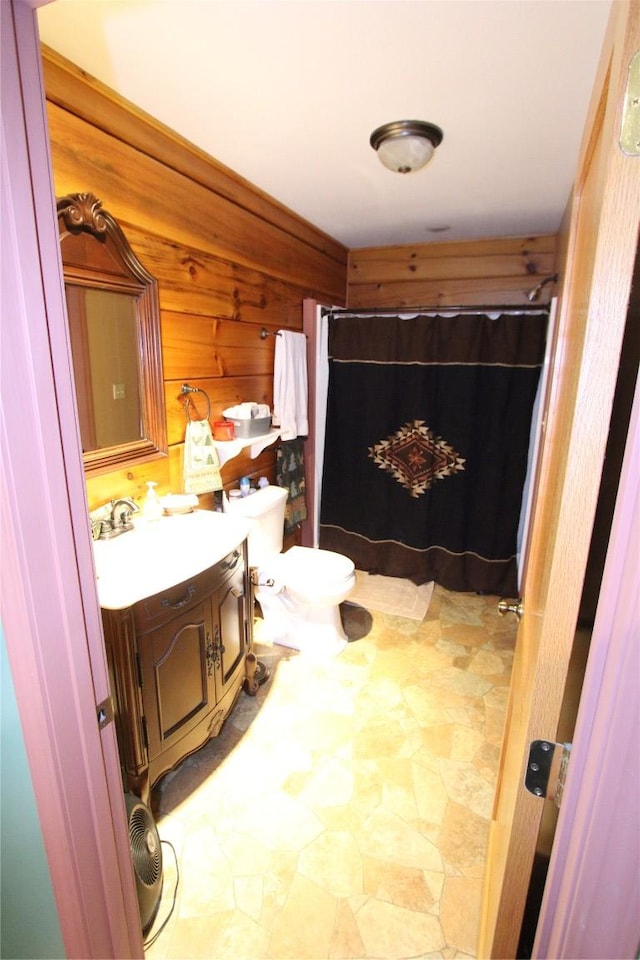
x=121 y=511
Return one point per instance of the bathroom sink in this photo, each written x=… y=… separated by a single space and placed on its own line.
x=157 y=555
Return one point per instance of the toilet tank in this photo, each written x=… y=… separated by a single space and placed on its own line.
x=266 y=508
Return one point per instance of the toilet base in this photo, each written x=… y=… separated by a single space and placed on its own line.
x=314 y=630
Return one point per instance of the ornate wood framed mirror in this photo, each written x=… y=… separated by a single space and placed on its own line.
x=114 y=324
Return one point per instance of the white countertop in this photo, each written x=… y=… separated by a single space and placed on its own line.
x=157 y=555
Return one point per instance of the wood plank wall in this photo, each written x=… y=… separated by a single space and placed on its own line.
x=487 y=272
x=228 y=260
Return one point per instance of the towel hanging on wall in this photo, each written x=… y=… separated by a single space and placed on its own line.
x=290 y=385
x=201 y=464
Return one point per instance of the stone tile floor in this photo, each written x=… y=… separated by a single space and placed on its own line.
x=343 y=812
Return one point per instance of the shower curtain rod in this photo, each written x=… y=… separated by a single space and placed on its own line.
x=513 y=310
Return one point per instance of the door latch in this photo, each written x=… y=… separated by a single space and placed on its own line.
x=547 y=769
x=514 y=607
x=104 y=713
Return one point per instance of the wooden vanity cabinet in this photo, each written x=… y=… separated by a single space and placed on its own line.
x=177 y=666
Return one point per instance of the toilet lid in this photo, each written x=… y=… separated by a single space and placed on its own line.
x=307 y=563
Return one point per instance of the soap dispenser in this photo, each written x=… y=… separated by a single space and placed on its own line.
x=152 y=509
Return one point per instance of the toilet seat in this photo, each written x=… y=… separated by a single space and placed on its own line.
x=304 y=565
x=300 y=591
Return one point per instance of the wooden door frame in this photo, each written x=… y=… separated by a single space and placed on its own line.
x=50 y=610
x=596 y=272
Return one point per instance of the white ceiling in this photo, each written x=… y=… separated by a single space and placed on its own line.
x=287 y=92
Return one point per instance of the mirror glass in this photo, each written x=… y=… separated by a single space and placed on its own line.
x=114 y=326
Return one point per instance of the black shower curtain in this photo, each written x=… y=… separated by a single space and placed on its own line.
x=427 y=434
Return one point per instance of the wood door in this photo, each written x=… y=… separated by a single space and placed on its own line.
x=596 y=270
x=178 y=686
x=231 y=641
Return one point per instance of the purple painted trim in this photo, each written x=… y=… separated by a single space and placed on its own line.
x=49 y=605
x=592 y=896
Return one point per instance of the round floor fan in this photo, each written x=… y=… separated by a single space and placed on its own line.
x=146 y=855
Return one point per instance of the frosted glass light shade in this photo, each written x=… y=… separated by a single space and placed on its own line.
x=406 y=145
x=404 y=154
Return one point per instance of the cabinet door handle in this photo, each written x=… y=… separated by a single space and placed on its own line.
x=176 y=604
x=219 y=645
x=210 y=654
x=233 y=562
x=214 y=650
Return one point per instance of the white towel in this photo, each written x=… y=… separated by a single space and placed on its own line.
x=201 y=463
x=290 y=385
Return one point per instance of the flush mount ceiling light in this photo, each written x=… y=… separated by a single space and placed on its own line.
x=406 y=145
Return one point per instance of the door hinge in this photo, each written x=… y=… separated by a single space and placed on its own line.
x=104 y=713
x=547 y=769
x=630 y=127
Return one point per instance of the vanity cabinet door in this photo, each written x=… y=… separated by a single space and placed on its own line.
x=178 y=682
x=124 y=680
x=176 y=661
x=230 y=625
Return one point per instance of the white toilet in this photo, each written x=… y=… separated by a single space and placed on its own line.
x=299 y=591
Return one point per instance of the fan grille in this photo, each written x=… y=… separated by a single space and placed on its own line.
x=145 y=849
